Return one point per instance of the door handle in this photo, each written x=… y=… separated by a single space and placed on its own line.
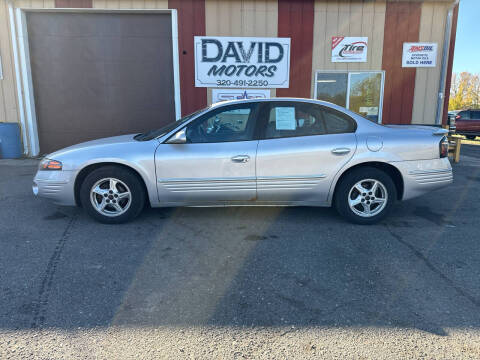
x=340 y=151
x=241 y=158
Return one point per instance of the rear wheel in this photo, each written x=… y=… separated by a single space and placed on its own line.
x=112 y=195
x=365 y=195
x=470 y=137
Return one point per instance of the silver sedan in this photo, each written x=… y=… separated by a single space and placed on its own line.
x=278 y=151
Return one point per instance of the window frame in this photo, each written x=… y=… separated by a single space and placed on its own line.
x=266 y=107
x=253 y=116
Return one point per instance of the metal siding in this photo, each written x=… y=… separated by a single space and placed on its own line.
x=432 y=29
x=38 y=4
x=343 y=25
x=130 y=4
x=70 y=3
x=8 y=100
x=402 y=24
x=378 y=34
x=332 y=18
x=241 y=18
x=23 y=3
x=191 y=20
x=355 y=26
x=295 y=20
x=260 y=18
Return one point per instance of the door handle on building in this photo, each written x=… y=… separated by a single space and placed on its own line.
x=241 y=158
x=340 y=151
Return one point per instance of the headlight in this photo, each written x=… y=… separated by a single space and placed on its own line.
x=47 y=164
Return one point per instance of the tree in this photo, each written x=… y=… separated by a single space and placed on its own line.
x=464 y=91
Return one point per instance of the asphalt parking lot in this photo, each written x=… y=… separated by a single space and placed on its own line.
x=241 y=282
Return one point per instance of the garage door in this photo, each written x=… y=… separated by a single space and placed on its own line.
x=98 y=74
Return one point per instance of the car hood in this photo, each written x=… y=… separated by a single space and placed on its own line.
x=114 y=140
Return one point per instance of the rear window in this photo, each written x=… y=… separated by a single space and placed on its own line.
x=465 y=115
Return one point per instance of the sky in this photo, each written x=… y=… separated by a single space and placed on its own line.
x=467 y=47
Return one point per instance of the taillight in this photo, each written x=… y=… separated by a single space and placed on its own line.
x=457 y=117
x=443 y=147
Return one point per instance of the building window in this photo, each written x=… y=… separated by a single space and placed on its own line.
x=359 y=91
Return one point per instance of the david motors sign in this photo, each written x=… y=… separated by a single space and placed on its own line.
x=419 y=55
x=242 y=62
x=349 y=49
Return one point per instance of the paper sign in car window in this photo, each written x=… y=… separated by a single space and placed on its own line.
x=285 y=118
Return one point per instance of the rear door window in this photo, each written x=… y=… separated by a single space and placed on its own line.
x=464 y=115
x=293 y=119
x=288 y=119
x=475 y=114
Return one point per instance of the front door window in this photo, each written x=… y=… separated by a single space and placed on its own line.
x=360 y=91
x=225 y=124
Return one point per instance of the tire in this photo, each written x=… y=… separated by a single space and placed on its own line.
x=348 y=188
x=112 y=195
x=470 y=137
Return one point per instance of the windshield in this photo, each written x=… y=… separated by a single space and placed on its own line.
x=152 y=134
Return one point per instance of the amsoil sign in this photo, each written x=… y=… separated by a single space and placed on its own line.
x=419 y=55
x=349 y=49
x=242 y=62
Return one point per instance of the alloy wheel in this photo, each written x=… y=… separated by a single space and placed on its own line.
x=110 y=197
x=367 y=197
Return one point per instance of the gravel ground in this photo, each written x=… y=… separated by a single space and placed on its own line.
x=240 y=343
x=234 y=283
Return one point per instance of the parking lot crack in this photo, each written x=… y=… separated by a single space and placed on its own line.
x=40 y=305
x=433 y=268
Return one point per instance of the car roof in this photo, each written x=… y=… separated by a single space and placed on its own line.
x=306 y=100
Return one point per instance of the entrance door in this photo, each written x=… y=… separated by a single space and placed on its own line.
x=359 y=91
x=99 y=74
x=216 y=165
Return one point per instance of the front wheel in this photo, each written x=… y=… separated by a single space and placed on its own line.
x=112 y=195
x=365 y=195
x=470 y=137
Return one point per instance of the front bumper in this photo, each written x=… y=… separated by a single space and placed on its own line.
x=57 y=186
x=422 y=176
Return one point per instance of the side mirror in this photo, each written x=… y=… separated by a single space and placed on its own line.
x=179 y=138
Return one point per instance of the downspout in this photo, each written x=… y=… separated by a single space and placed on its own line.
x=18 y=80
x=443 y=71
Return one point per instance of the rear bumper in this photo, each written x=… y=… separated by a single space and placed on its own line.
x=422 y=176
x=57 y=186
